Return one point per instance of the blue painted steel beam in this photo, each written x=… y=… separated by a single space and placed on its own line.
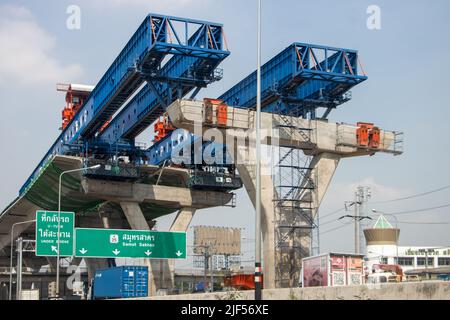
x=155 y=38
x=178 y=77
x=298 y=72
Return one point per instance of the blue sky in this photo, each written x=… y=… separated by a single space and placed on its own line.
x=407 y=61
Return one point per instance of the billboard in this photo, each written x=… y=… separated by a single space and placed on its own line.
x=338 y=263
x=354 y=263
x=315 y=271
x=333 y=269
x=217 y=240
x=338 y=274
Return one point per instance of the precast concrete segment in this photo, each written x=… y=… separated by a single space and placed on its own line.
x=173 y=197
x=328 y=137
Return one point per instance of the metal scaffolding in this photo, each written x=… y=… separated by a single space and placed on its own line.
x=296 y=226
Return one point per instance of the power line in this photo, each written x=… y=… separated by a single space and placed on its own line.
x=331 y=213
x=424 y=210
x=413 y=196
x=337 y=228
x=417 y=222
x=387 y=201
x=404 y=222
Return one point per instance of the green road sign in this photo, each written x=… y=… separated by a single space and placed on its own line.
x=111 y=243
x=47 y=233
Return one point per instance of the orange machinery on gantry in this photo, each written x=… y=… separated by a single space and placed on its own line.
x=163 y=127
x=221 y=111
x=75 y=96
x=368 y=135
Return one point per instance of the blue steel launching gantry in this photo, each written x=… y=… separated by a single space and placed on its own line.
x=166 y=60
x=192 y=65
x=302 y=77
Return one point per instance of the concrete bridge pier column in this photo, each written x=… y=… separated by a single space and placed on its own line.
x=159 y=271
x=248 y=176
x=107 y=217
x=181 y=224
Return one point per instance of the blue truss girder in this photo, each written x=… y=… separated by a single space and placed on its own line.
x=154 y=97
x=299 y=66
x=154 y=39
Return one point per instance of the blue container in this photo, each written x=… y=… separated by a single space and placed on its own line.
x=200 y=287
x=121 y=282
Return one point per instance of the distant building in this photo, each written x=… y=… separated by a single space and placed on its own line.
x=382 y=248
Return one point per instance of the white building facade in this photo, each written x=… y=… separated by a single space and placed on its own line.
x=382 y=248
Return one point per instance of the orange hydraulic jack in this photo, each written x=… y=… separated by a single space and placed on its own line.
x=362 y=133
x=374 y=137
x=221 y=111
x=162 y=128
x=367 y=135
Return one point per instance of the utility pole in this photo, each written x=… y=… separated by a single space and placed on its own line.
x=212 y=274
x=206 y=260
x=362 y=194
x=258 y=269
x=357 y=224
x=207 y=264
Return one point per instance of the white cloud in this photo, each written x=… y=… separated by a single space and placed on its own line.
x=25 y=53
x=338 y=193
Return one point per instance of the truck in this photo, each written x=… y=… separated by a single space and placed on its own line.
x=120 y=282
x=332 y=269
x=385 y=273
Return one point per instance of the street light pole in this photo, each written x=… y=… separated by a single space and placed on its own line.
x=258 y=269
x=59 y=219
x=11 y=254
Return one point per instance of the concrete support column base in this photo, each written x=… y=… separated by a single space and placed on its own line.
x=161 y=271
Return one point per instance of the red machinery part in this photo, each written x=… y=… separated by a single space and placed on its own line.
x=221 y=111
x=367 y=135
x=74 y=101
x=162 y=128
x=222 y=115
x=362 y=135
x=374 y=137
x=241 y=281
